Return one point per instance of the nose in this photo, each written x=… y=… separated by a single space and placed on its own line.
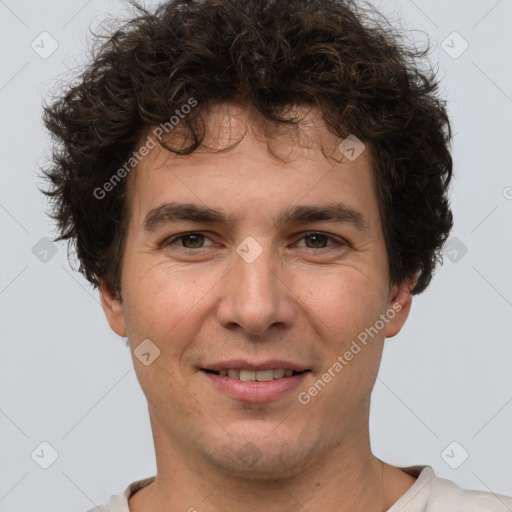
x=256 y=296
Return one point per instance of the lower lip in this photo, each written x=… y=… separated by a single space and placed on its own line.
x=255 y=391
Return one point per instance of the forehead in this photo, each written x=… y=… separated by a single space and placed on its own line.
x=244 y=155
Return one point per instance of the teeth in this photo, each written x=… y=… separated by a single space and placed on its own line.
x=264 y=375
x=260 y=376
x=247 y=375
x=234 y=374
x=278 y=373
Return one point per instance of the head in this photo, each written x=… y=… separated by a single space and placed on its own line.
x=244 y=118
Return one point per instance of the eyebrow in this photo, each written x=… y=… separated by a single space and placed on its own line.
x=175 y=212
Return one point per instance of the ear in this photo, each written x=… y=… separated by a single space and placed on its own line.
x=113 y=310
x=399 y=306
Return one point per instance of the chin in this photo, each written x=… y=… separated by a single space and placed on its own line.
x=260 y=457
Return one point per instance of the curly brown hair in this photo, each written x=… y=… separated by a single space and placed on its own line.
x=268 y=54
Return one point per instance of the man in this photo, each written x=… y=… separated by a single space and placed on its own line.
x=258 y=189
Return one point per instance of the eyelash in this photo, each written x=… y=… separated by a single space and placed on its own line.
x=336 y=241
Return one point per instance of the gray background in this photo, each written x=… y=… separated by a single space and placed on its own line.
x=67 y=380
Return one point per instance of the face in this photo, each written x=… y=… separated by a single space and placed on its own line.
x=275 y=264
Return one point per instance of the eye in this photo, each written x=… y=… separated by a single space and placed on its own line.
x=191 y=240
x=319 y=240
x=313 y=240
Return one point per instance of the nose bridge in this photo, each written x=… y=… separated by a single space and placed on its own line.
x=254 y=296
x=257 y=270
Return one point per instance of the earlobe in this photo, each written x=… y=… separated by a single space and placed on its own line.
x=399 y=307
x=113 y=310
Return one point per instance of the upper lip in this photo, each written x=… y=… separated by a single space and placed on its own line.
x=243 y=364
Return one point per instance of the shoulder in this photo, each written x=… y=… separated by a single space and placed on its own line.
x=446 y=495
x=431 y=493
x=119 y=502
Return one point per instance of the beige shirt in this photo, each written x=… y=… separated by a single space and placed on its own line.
x=428 y=494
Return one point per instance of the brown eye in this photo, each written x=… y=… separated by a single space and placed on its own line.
x=195 y=240
x=189 y=241
x=317 y=240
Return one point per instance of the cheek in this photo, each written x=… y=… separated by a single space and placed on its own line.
x=161 y=300
x=342 y=301
x=342 y=311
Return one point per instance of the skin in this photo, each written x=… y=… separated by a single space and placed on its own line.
x=303 y=299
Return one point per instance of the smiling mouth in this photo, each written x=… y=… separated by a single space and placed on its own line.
x=256 y=376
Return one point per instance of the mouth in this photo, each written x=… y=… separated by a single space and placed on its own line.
x=256 y=375
x=248 y=382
